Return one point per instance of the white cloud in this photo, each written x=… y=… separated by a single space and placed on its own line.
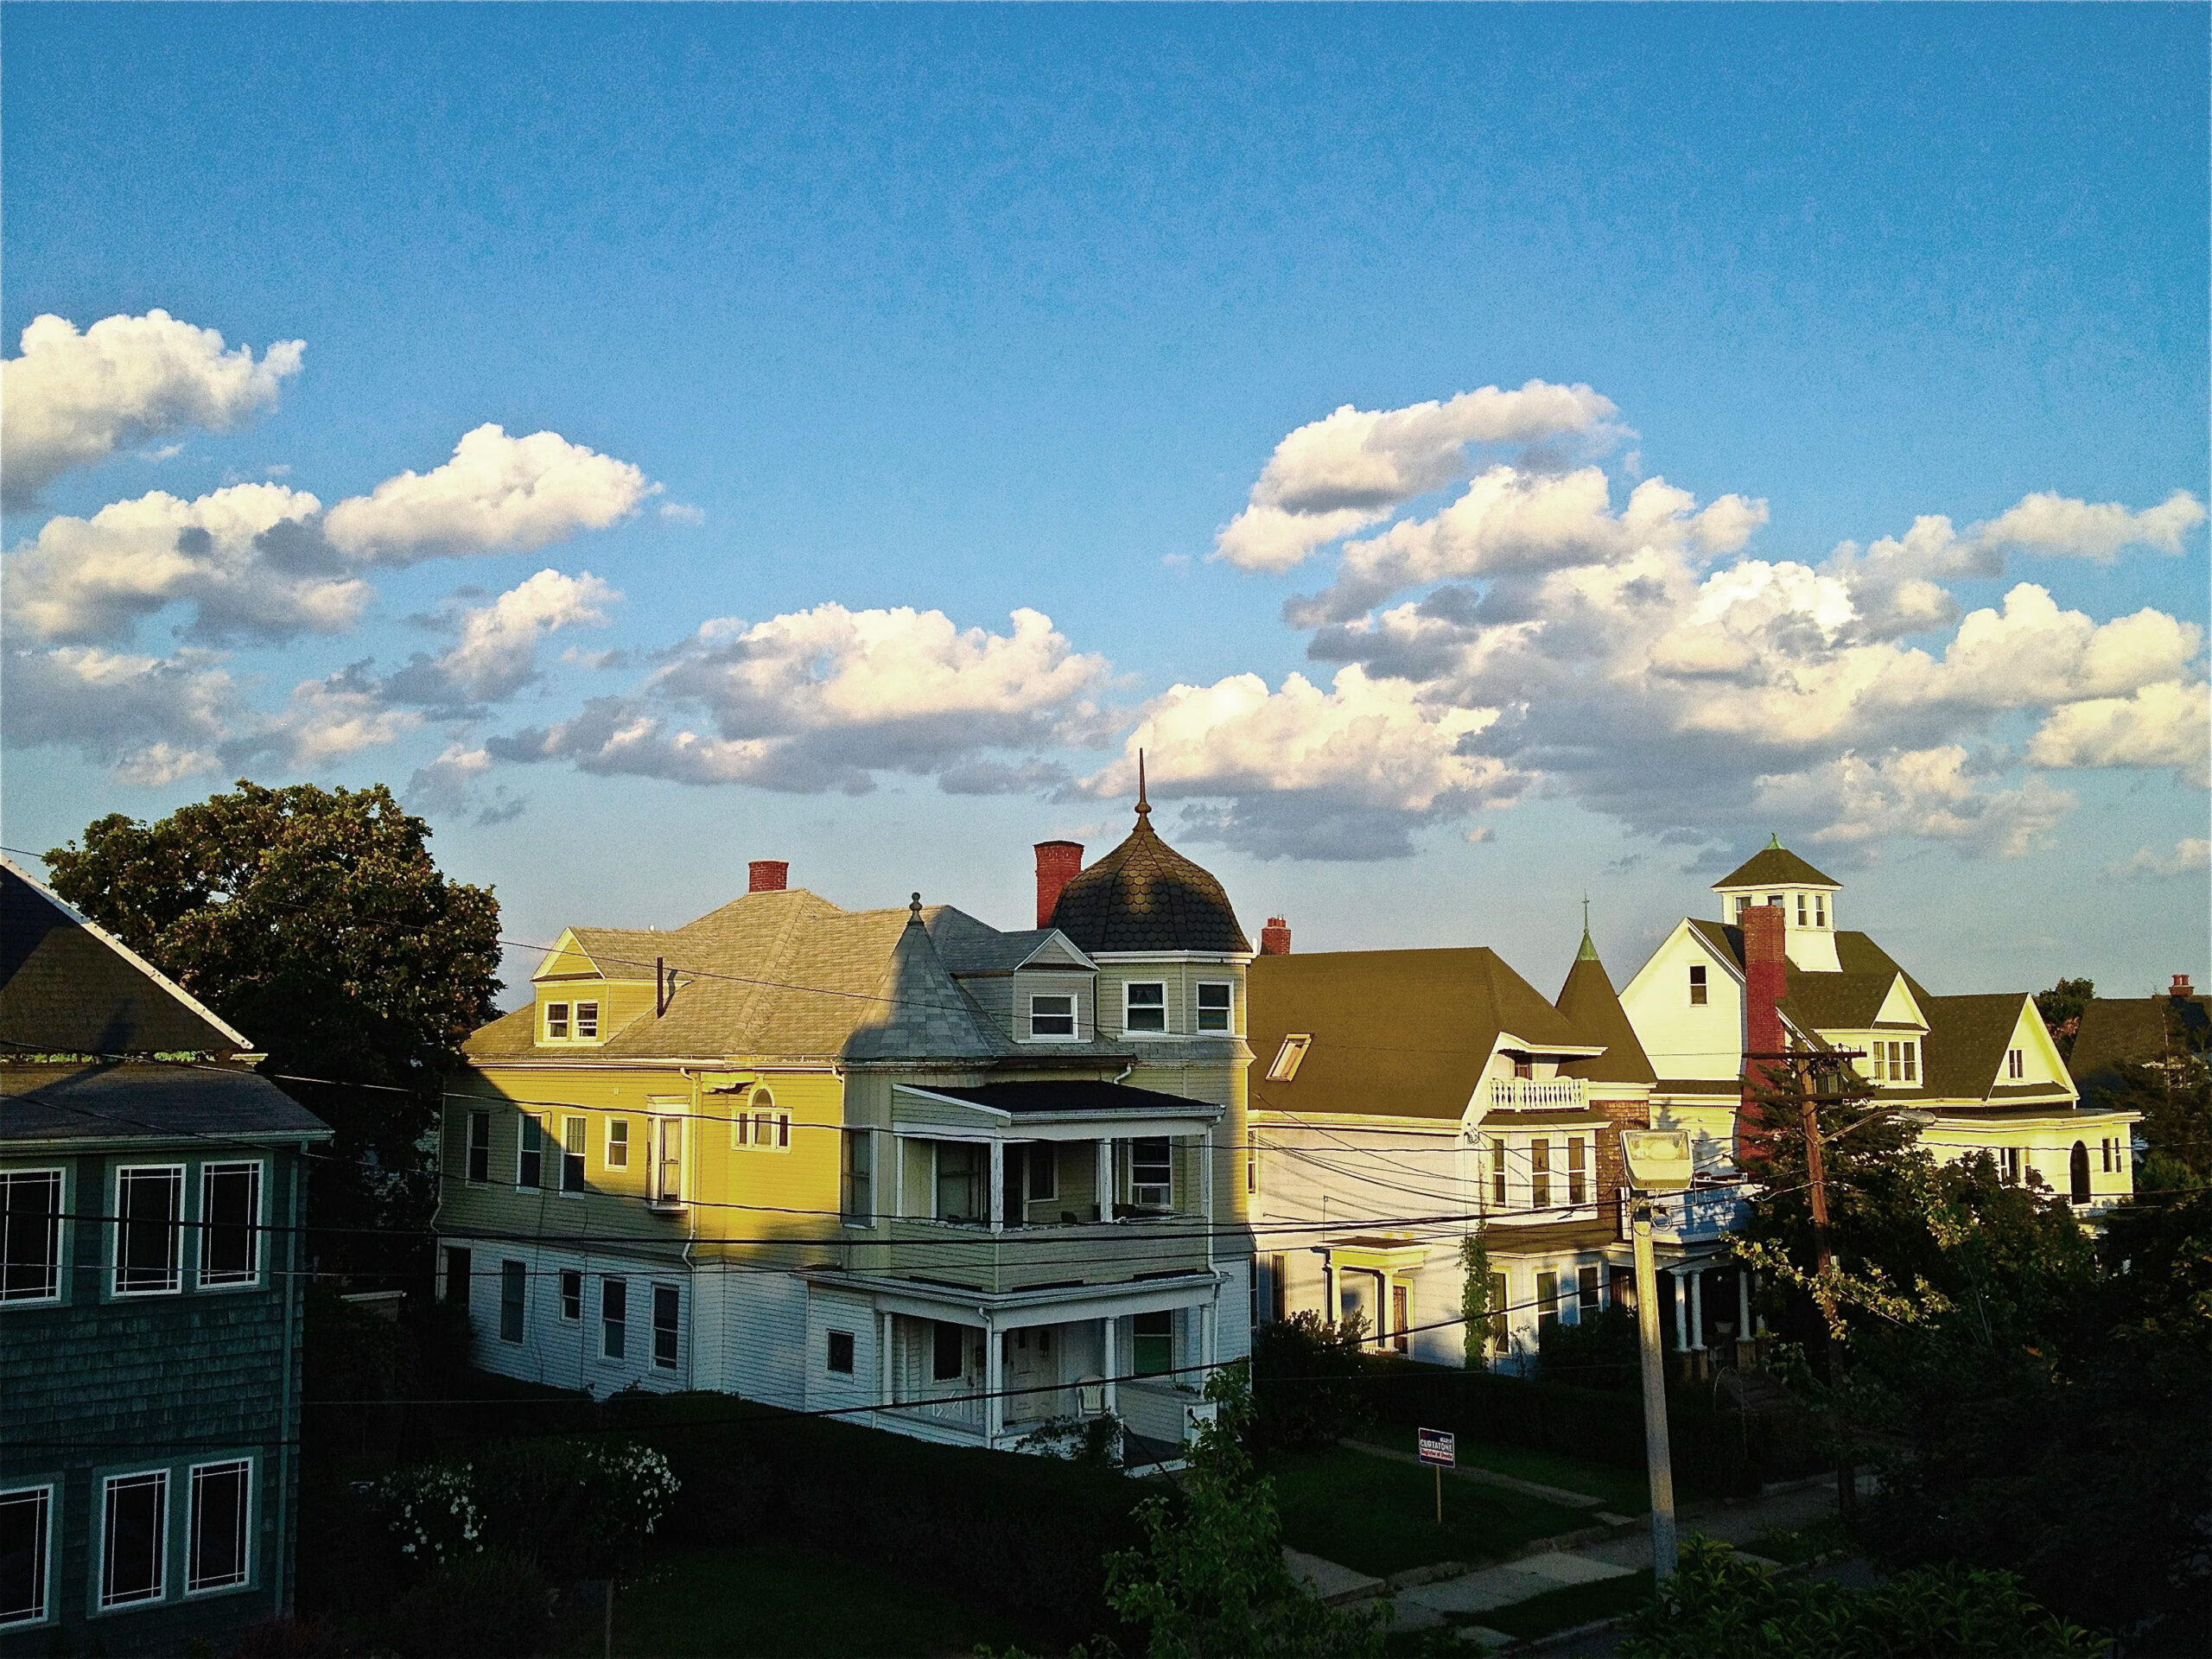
x=826 y=698
x=1927 y=794
x=2189 y=855
x=1355 y=467
x=682 y=512
x=247 y=557
x=328 y=719
x=72 y=399
x=496 y=494
x=497 y=652
x=2165 y=724
x=155 y=719
x=2051 y=525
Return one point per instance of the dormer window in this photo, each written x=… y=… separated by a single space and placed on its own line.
x=1144 y=1006
x=587 y=1023
x=1743 y=904
x=1820 y=910
x=557 y=1022
x=1896 y=1064
x=1288 y=1058
x=1051 y=1016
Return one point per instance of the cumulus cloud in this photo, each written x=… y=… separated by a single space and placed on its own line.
x=2054 y=525
x=496 y=654
x=155 y=719
x=455 y=785
x=496 y=494
x=2164 y=724
x=1355 y=467
x=72 y=399
x=2189 y=855
x=1927 y=794
x=828 y=698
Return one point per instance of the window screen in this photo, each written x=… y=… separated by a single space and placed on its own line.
x=30 y=1236
x=221 y=1501
x=1151 y=1173
x=134 y=1534
x=147 y=1202
x=230 y=1218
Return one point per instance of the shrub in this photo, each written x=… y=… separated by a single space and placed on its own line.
x=1718 y=1603
x=1307 y=1378
x=494 y=1603
x=573 y=1506
x=431 y=1509
x=1600 y=1352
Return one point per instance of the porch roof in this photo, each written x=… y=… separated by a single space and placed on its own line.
x=1070 y=1097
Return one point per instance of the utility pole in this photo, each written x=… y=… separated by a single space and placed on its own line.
x=1658 y=1464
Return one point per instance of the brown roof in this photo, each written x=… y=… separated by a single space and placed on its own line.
x=1775 y=865
x=68 y=987
x=1589 y=1001
x=1398 y=1034
x=1144 y=895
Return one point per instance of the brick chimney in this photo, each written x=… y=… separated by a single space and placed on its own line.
x=1275 y=938
x=767 y=874
x=1057 y=863
x=1765 y=984
x=2181 y=990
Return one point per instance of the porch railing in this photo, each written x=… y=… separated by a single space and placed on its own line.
x=1538 y=1094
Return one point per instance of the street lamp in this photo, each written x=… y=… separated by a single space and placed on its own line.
x=1658 y=1161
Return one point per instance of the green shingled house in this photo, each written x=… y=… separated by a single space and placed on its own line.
x=150 y=1301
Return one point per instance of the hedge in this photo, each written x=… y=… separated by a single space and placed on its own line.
x=1030 y=1533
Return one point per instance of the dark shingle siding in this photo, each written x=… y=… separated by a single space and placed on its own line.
x=1775 y=867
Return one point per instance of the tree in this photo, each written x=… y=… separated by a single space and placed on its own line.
x=316 y=922
x=1307 y=1376
x=2062 y=1006
x=1209 y=1581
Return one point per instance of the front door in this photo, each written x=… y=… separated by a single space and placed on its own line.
x=1033 y=1373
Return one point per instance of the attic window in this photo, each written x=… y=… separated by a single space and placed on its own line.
x=1051 y=1016
x=1800 y=910
x=1820 y=910
x=557 y=1022
x=1288 y=1058
x=588 y=1022
x=2016 y=1064
x=1697 y=984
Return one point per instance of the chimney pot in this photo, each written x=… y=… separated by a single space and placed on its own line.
x=767 y=874
x=1275 y=938
x=2181 y=990
x=1058 y=863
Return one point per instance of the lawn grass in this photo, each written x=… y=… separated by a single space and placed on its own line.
x=1625 y=1491
x=774 y=1602
x=1378 y=1516
x=1569 y=1606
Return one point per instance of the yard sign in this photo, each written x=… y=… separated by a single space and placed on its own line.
x=1438 y=1446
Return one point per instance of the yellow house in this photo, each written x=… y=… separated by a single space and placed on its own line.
x=951 y=1179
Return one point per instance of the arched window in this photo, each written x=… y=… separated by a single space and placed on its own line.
x=2078 y=1170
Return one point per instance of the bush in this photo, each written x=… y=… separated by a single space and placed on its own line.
x=1600 y=1352
x=1309 y=1381
x=1719 y=1602
x=494 y=1603
x=573 y=1506
x=431 y=1509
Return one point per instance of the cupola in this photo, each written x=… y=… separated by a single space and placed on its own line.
x=1776 y=877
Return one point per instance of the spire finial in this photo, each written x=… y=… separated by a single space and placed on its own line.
x=1144 y=807
x=914 y=911
x=1589 y=951
x=1773 y=842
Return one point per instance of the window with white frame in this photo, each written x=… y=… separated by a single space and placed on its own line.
x=1697 y=985
x=1214 y=1006
x=1547 y=1300
x=1540 y=1174
x=1820 y=910
x=664 y=1149
x=30 y=1236
x=587 y=1023
x=1896 y=1063
x=761 y=1126
x=1497 y=1170
x=2016 y=1064
x=572 y=1296
x=841 y=1352
x=148 y=1206
x=1801 y=912
x=856 y=1177
x=667 y=1305
x=530 y=1154
x=614 y=1318
x=1144 y=1006
x=26 y=1554
x=618 y=1143
x=480 y=1149
x=2008 y=1163
x=134 y=1538
x=576 y=1137
x=1051 y=1016
x=219 y=1552
x=1284 y=1067
x=963 y=1171
x=1151 y=1173
x=1586 y=1293
x=230 y=1224
x=1578 y=1169
x=557 y=1022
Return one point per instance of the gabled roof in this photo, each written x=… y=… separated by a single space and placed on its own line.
x=1396 y=1034
x=1849 y=1001
x=69 y=987
x=1145 y=896
x=1775 y=865
x=2117 y=1028
x=1588 y=1000
x=148 y=1102
x=1963 y=1058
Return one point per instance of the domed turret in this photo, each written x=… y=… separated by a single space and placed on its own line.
x=1145 y=896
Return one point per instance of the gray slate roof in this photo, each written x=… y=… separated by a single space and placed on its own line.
x=139 y=1100
x=68 y=987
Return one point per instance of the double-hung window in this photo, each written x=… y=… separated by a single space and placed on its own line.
x=26 y=1554
x=1800 y=910
x=220 y=1556
x=613 y=1317
x=1214 y=1007
x=2016 y=1065
x=856 y=1178
x=230 y=1224
x=1547 y=1300
x=1586 y=1293
x=1497 y=1170
x=1540 y=1174
x=134 y=1538
x=666 y=1327
x=557 y=1022
x=1697 y=985
x=575 y=1136
x=1501 y=1326
x=1151 y=1173
x=2008 y=1163
x=480 y=1149
x=514 y=1282
x=1578 y=1173
x=529 y=1157
x=149 y=1203
x=618 y=1143
x=1144 y=1006
x=572 y=1296
x=587 y=1023
x=1051 y=1016
x=30 y=1237
x=1152 y=1343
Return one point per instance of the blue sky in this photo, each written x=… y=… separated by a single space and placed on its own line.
x=980 y=310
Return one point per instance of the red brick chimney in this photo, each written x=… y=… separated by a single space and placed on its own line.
x=1058 y=863
x=1275 y=938
x=2181 y=990
x=1765 y=984
x=768 y=875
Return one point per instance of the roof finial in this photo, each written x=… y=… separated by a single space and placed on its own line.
x=1589 y=951
x=914 y=911
x=1144 y=807
x=1773 y=842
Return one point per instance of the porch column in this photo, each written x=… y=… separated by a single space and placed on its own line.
x=887 y=1379
x=898 y=1175
x=1681 y=1312
x=998 y=1186
x=1697 y=1311
x=993 y=1382
x=1105 y=1180
x=1109 y=1328
x=1744 y=1303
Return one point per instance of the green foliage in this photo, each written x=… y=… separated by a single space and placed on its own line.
x=1095 y=1442
x=1599 y=1352
x=578 y=1508
x=1306 y=1381
x=1718 y=1603
x=1474 y=1296
x=1210 y=1579
x=315 y=921
x=2061 y=1007
x=492 y=1604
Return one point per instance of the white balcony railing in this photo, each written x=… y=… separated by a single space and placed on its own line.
x=1539 y=1094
